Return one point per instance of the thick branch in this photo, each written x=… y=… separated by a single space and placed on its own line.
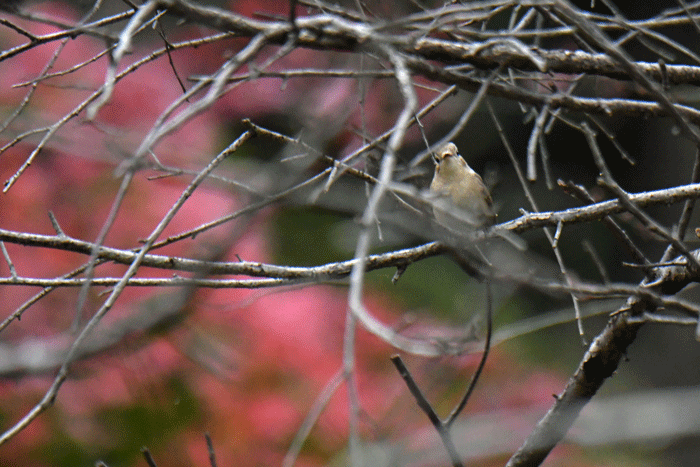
x=249 y=268
x=524 y=223
x=596 y=106
x=599 y=363
x=327 y=31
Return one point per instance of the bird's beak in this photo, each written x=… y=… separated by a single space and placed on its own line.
x=436 y=161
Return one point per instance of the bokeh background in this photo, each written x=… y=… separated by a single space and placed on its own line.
x=246 y=366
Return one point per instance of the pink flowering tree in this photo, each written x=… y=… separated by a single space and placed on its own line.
x=219 y=246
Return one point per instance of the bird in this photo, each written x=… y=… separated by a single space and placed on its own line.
x=459 y=197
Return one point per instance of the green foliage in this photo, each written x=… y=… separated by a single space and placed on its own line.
x=126 y=430
x=303 y=237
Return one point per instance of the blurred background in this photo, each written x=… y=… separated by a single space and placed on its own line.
x=247 y=365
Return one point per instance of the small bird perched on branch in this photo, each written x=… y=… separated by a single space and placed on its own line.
x=462 y=199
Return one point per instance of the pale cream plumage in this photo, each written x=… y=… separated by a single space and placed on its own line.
x=461 y=200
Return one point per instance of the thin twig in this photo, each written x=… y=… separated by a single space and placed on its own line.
x=482 y=363
x=625 y=200
x=442 y=428
x=580 y=192
x=8 y=260
x=210 y=450
x=50 y=395
x=533 y=204
x=148 y=457
x=311 y=418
